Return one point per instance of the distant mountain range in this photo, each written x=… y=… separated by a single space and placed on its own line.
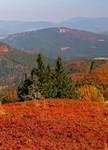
x=12 y=27
x=64 y=42
x=98 y=25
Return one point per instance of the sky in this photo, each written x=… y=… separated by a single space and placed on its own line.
x=51 y=10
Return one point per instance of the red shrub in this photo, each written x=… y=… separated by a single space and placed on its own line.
x=54 y=125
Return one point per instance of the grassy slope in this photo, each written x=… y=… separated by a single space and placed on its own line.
x=54 y=125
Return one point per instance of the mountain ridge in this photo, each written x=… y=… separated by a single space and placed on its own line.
x=98 y=25
x=61 y=41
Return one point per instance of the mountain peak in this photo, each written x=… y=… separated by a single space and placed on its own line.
x=79 y=33
x=64 y=30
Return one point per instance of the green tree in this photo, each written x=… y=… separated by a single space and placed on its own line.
x=38 y=77
x=63 y=83
x=23 y=89
x=48 y=85
x=40 y=69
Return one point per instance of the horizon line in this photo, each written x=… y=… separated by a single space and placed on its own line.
x=34 y=20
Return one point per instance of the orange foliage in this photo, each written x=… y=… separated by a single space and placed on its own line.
x=105 y=93
x=98 y=75
x=77 y=77
x=54 y=125
x=101 y=73
x=11 y=94
x=90 y=92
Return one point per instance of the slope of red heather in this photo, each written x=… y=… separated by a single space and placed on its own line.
x=54 y=125
x=101 y=73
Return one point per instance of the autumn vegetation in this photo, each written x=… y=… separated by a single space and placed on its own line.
x=60 y=124
x=46 y=82
x=57 y=81
x=52 y=110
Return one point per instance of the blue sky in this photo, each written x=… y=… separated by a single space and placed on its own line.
x=51 y=10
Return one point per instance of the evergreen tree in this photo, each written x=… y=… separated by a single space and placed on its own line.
x=48 y=86
x=37 y=76
x=47 y=83
x=63 y=83
x=23 y=89
x=39 y=70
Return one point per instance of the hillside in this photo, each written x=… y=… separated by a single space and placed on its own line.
x=54 y=125
x=82 y=76
x=62 y=42
x=83 y=65
x=14 y=64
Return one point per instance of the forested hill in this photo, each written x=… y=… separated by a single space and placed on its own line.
x=62 y=41
x=14 y=64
